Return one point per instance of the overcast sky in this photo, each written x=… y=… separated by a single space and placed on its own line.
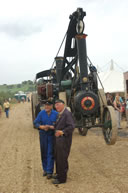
x=31 y=32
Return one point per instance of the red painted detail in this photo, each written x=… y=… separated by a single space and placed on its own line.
x=83 y=36
x=83 y=103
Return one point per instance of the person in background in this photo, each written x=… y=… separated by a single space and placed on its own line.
x=45 y=123
x=109 y=99
x=23 y=99
x=127 y=109
x=123 y=108
x=120 y=98
x=0 y=109
x=63 y=139
x=28 y=99
x=6 y=106
x=117 y=106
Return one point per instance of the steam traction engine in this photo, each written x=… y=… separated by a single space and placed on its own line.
x=74 y=79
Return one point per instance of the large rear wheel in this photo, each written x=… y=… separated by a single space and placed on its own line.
x=109 y=125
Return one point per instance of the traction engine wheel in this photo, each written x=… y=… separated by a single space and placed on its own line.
x=33 y=105
x=83 y=131
x=109 y=125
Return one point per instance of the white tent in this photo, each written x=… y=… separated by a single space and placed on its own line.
x=112 y=80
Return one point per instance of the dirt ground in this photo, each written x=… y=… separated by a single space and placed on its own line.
x=94 y=166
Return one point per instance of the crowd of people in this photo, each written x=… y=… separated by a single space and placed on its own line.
x=120 y=105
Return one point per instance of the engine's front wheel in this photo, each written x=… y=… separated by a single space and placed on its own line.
x=83 y=131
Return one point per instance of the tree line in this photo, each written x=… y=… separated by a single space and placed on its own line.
x=8 y=91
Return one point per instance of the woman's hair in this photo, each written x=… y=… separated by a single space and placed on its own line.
x=117 y=99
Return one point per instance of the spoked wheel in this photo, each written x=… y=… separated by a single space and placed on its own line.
x=109 y=125
x=83 y=131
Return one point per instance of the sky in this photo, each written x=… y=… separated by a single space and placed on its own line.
x=31 y=32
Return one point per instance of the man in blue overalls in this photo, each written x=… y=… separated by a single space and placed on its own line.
x=45 y=123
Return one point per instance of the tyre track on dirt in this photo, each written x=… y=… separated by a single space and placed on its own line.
x=15 y=154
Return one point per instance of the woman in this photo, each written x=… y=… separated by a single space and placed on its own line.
x=127 y=110
x=6 y=108
x=117 y=106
